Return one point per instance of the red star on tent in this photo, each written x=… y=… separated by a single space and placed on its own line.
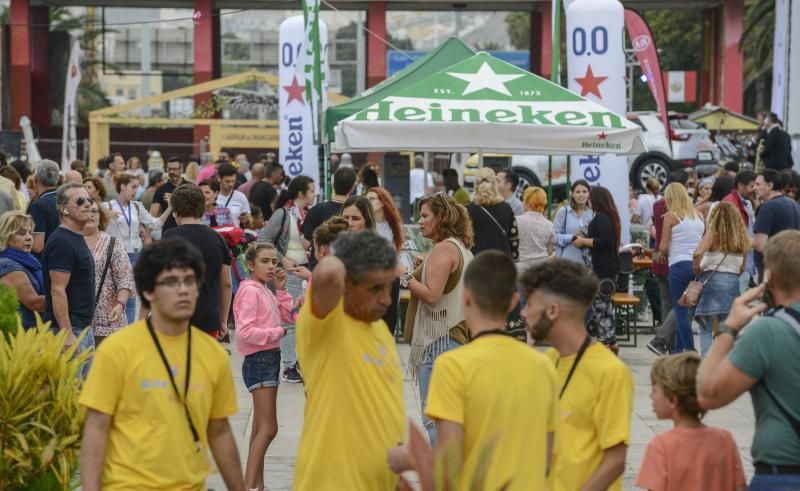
x=602 y=135
x=590 y=84
x=295 y=91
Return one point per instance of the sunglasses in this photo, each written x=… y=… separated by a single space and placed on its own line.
x=82 y=201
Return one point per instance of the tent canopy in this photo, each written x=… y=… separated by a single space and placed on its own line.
x=484 y=104
x=717 y=118
x=451 y=51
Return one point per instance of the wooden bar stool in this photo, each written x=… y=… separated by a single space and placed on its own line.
x=625 y=311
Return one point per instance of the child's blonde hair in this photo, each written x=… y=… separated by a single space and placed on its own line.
x=677 y=376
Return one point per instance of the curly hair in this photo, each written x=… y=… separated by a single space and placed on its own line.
x=535 y=198
x=391 y=215
x=326 y=234
x=452 y=218
x=728 y=231
x=166 y=254
x=677 y=376
x=486 y=192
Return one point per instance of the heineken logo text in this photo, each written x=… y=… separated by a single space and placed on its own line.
x=294 y=156
x=521 y=113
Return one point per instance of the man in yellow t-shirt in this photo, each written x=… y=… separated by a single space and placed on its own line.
x=138 y=435
x=473 y=409
x=354 y=384
x=596 y=388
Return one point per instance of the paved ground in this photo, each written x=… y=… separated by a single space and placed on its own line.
x=737 y=417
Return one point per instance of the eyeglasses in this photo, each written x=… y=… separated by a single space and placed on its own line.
x=174 y=169
x=172 y=282
x=82 y=201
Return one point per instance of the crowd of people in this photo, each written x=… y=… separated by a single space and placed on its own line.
x=312 y=293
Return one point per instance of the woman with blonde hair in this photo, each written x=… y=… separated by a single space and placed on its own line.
x=19 y=269
x=719 y=260
x=682 y=231
x=493 y=220
x=537 y=240
x=435 y=319
x=192 y=172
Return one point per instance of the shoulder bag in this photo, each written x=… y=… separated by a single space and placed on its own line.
x=109 y=254
x=691 y=296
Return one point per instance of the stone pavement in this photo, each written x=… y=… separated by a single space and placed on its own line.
x=279 y=469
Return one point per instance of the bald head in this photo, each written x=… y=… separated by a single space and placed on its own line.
x=73 y=176
x=259 y=171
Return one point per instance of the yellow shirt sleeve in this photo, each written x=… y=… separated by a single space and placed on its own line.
x=612 y=414
x=103 y=387
x=447 y=391
x=224 y=402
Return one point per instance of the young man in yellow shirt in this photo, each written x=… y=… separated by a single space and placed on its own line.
x=160 y=392
x=354 y=385
x=493 y=391
x=595 y=387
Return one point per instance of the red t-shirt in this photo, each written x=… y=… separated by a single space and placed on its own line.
x=685 y=459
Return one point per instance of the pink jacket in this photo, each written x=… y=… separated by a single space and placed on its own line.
x=259 y=313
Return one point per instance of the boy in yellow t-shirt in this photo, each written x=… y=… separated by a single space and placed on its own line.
x=354 y=385
x=160 y=392
x=595 y=387
x=494 y=390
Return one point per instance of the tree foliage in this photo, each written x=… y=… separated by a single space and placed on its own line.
x=518 y=25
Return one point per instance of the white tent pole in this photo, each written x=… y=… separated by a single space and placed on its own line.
x=480 y=158
x=425 y=177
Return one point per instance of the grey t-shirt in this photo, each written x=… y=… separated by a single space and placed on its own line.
x=767 y=351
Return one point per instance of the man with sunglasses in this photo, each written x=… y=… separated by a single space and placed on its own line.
x=163 y=192
x=69 y=267
x=160 y=392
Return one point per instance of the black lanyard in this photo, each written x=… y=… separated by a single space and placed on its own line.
x=229 y=200
x=581 y=351
x=183 y=399
x=492 y=331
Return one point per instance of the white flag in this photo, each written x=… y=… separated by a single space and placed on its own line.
x=69 y=143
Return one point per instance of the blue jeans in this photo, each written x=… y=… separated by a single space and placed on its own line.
x=680 y=274
x=294 y=285
x=424 y=378
x=130 y=307
x=87 y=343
x=769 y=482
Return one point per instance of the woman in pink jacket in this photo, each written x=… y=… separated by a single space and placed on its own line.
x=259 y=314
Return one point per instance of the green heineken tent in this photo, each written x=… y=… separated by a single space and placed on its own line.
x=483 y=104
x=449 y=52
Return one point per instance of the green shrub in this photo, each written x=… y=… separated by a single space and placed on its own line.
x=40 y=419
x=9 y=321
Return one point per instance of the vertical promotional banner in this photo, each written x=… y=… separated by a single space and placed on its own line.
x=780 y=56
x=596 y=69
x=298 y=153
x=647 y=53
x=69 y=140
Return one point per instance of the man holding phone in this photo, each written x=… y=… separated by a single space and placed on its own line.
x=765 y=363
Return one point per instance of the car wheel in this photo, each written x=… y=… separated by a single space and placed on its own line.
x=526 y=179
x=651 y=167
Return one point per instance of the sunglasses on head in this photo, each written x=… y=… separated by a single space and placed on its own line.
x=81 y=201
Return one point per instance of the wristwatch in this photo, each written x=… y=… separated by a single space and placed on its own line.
x=725 y=329
x=405 y=279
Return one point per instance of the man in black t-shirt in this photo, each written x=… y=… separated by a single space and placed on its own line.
x=45 y=214
x=264 y=193
x=161 y=196
x=778 y=213
x=68 y=268
x=344 y=181
x=213 y=304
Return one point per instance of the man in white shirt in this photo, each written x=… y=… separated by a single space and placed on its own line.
x=418 y=187
x=228 y=197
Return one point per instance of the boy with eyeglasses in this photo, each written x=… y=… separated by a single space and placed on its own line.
x=160 y=392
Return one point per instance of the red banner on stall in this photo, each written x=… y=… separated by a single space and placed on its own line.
x=645 y=47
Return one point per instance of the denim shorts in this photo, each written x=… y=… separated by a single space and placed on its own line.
x=262 y=369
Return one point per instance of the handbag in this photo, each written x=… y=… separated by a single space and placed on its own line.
x=691 y=296
x=109 y=253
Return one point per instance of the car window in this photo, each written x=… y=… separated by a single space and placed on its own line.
x=684 y=124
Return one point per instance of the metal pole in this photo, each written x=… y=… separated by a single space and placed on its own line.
x=549 y=185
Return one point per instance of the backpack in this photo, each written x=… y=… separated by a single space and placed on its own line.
x=792 y=318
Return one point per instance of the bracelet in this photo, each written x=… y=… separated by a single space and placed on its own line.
x=724 y=329
x=405 y=279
